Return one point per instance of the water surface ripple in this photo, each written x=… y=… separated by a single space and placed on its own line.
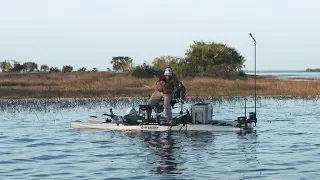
x=37 y=142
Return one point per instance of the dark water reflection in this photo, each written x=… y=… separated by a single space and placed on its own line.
x=175 y=153
x=165 y=150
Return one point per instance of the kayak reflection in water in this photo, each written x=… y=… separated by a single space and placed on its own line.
x=165 y=149
x=163 y=152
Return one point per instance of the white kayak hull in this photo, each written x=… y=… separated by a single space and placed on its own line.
x=181 y=127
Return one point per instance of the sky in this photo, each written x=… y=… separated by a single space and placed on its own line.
x=88 y=33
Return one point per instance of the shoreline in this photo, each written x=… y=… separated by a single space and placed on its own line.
x=188 y=98
x=113 y=85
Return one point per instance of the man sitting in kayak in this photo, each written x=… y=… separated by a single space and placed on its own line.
x=166 y=88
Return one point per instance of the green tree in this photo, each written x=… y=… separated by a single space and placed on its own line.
x=67 y=68
x=54 y=69
x=5 y=66
x=17 y=67
x=44 y=68
x=213 y=57
x=182 y=69
x=83 y=69
x=165 y=61
x=137 y=71
x=94 y=70
x=30 y=66
x=121 y=63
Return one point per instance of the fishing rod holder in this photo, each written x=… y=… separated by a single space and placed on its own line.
x=252 y=118
x=252 y=115
x=243 y=121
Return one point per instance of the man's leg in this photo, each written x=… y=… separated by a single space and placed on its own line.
x=167 y=107
x=155 y=97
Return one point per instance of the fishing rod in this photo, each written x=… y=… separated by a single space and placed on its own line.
x=242 y=121
x=255 y=77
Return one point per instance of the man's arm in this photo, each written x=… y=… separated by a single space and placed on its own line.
x=181 y=87
x=151 y=71
x=182 y=91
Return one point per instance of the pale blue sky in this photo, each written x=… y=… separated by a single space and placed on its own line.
x=88 y=33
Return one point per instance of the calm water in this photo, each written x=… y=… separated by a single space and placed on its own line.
x=37 y=142
x=289 y=75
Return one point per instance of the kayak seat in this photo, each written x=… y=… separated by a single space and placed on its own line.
x=159 y=106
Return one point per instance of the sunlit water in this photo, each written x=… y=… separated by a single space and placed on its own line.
x=37 y=142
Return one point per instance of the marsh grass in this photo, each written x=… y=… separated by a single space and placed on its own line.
x=104 y=84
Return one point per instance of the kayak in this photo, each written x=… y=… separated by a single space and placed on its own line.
x=200 y=119
x=157 y=127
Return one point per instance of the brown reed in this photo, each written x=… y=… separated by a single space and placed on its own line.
x=106 y=84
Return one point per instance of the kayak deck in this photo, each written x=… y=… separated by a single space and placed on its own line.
x=156 y=127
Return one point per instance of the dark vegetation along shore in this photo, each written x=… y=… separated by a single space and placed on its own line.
x=108 y=84
x=207 y=69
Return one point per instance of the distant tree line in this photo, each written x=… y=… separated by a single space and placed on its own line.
x=313 y=70
x=15 y=66
x=202 y=58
